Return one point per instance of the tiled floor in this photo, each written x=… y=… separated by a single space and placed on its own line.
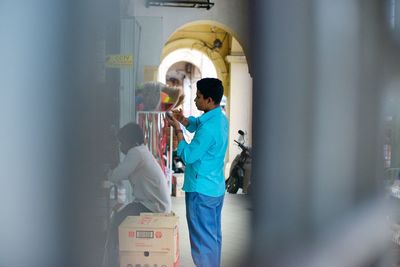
x=235 y=228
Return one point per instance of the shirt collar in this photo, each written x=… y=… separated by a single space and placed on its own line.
x=211 y=113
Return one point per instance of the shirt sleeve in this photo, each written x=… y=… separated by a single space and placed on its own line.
x=193 y=124
x=126 y=167
x=194 y=151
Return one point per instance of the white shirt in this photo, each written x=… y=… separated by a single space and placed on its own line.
x=149 y=183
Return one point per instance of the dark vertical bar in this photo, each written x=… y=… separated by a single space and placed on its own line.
x=317 y=78
x=54 y=116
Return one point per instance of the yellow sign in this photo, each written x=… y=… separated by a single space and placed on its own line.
x=118 y=61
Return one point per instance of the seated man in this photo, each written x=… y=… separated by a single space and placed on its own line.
x=150 y=189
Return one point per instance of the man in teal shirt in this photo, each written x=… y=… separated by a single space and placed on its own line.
x=204 y=183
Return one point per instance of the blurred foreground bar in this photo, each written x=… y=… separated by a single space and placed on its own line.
x=320 y=72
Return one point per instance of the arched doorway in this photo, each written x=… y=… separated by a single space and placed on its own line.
x=185 y=67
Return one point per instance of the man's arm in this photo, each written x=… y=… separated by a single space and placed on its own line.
x=191 y=123
x=126 y=167
x=184 y=121
x=178 y=115
x=194 y=151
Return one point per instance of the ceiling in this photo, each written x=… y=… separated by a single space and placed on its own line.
x=210 y=38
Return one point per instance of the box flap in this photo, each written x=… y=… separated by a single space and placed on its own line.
x=157 y=214
x=148 y=221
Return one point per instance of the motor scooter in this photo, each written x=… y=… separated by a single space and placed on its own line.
x=239 y=174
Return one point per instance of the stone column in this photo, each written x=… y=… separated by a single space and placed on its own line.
x=239 y=102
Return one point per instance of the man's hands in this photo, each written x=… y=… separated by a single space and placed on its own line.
x=172 y=120
x=178 y=114
x=176 y=118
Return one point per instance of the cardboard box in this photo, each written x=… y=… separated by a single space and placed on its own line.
x=178 y=179
x=152 y=259
x=157 y=214
x=149 y=240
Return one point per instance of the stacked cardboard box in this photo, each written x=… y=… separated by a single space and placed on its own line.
x=149 y=240
x=177 y=185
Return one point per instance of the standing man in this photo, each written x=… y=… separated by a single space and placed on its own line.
x=204 y=173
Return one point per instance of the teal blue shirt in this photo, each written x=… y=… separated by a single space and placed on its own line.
x=204 y=156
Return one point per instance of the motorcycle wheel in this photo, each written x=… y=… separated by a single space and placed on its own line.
x=232 y=184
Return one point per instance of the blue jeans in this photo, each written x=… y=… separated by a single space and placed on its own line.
x=203 y=215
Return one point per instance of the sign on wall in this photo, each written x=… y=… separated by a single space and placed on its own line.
x=119 y=61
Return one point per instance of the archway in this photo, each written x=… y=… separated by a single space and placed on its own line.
x=186 y=67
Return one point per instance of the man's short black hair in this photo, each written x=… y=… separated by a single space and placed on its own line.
x=211 y=87
x=131 y=134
